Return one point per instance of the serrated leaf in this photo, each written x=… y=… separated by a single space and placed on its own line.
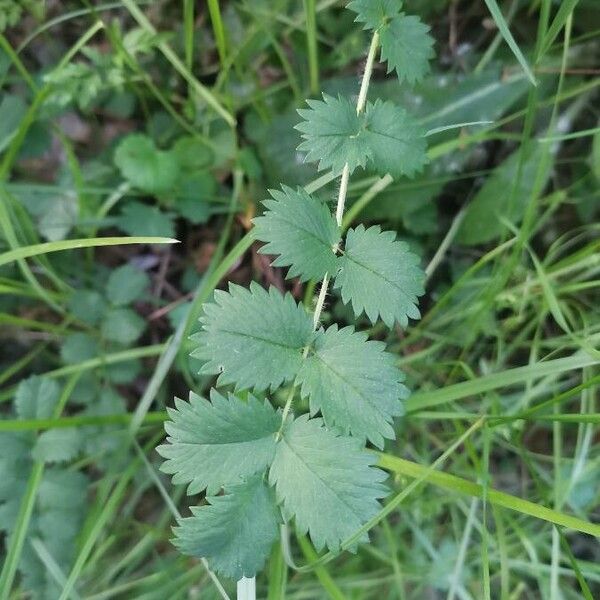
x=380 y=276
x=58 y=445
x=384 y=137
x=397 y=144
x=218 y=443
x=374 y=13
x=36 y=397
x=145 y=166
x=301 y=230
x=331 y=131
x=234 y=532
x=407 y=47
x=354 y=383
x=122 y=325
x=126 y=284
x=253 y=338
x=325 y=481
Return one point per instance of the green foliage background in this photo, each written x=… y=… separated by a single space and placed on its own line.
x=174 y=119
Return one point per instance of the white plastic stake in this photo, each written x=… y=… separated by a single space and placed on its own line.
x=246 y=589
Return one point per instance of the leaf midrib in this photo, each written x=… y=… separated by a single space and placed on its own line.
x=317 y=476
x=367 y=268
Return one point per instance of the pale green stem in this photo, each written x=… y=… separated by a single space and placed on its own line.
x=321 y=300
x=339 y=213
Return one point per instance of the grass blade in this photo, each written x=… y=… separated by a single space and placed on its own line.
x=565 y=9
x=422 y=400
x=463 y=486
x=47 y=247
x=508 y=38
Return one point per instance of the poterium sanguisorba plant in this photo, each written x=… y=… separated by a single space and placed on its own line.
x=261 y=466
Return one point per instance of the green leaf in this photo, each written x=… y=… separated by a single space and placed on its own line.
x=354 y=383
x=146 y=167
x=499 y=200
x=235 y=532
x=384 y=137
x=62 y=489
x=59 y=218
x=122 y=325
x=58 y=445
x=301 y=230
x=87 y=306
x=140 y=219
x=78 y=347
x=380 y=276
x=407 y=47
x=331 y=131
x=374 y=13
x=396 y=143
x=253 y=338
x=192 y=153
x=36 y=397
x=325 y=481
x=12 y=109
x=218 y=443
x=126 y=284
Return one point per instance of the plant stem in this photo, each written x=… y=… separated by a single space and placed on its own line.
x=339 y=214
x=341 y=202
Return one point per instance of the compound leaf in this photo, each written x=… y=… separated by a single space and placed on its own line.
x=331 y=131
x=396 y=143
x=354 y=383
x=301 y=230
x=325 y=481
x=407 y=47
x=234 y=532
x=380 y=276
x=254 y=338
x=374 y=13
x=214 y=444
x=384 y=136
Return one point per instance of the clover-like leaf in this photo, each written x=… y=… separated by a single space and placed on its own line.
x=36 y=397
x=141 y=219
x=374 y=13
x=354 y=383
x=301 y=230
x=407 y=47
x=126 y=284
x=253 y=338
x=145 y=166
x=331 y=131
x=58 y=445
x=325 y=481
x=218 y=443
x=396 y=143
x=380 y=276
x=122 y=325
x=234 y=532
